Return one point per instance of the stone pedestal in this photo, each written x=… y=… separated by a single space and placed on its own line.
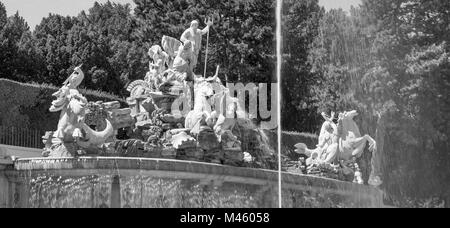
x=122 y=118
x=207 y=139
x=163 y=101
x=233 y=157
x=61 y=150
x=169 y=153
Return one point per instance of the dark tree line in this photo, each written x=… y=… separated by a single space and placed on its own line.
x=388 y=59
x=111 y=42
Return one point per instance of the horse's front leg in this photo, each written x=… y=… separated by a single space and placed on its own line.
x=372 y=143
x=359 y=144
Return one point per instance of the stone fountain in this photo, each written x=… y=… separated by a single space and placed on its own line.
x=185 y=148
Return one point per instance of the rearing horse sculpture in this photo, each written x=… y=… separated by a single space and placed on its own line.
x=345 y=144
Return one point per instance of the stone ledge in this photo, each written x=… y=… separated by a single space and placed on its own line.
x=23 y=152
x=205 y=173
x=6 y=161
x=188 y=170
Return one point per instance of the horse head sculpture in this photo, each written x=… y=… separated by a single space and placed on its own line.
x=351 y=142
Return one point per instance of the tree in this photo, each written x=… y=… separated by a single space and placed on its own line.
x=301 y=26
x=242 y=39
x=16 y=59
x=112 y=43
x=50 y=37
x=3 y=15
x=103 y=40
x=114 y=55
x=389 y=60
x=417 y=58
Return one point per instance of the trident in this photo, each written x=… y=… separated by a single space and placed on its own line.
x=207 y=45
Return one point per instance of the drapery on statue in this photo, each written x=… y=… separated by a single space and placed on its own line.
x=194 y=35
x=183 y=63
x=341 y=143
x=170 y=71
x=158 y=64
x=328 y=142
x=171 y=47
x=72 y=130
x=166 y=68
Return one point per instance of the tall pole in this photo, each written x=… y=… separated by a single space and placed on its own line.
x=206 y=54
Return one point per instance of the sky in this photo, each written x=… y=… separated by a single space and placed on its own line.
x=334 y=4
x=34 y=10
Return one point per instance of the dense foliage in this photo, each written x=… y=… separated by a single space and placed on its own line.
x=388 y=59
x=112 y=42
x=300 y=27
x=241 y=41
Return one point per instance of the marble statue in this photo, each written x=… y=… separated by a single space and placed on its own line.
x=227 y=110
x=194 y=35
x=201 y=114
x=224 y=111
x=342 y=142
x=72 y=131
x=140 y=87
x=179 y=72
x=175 y=61
x=170 y=69
x=165 y=69
x=326 y=149
x=183 y=63
x=160 y=59
x=159 y=63
x=215 y=130
x=171 y=46
x=211 y=131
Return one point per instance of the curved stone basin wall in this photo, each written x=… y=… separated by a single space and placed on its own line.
x=159 y=183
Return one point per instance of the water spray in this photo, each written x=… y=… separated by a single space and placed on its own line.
x=279 y=61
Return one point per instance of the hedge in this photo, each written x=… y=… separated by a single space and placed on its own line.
x=26 y=105
x=289 y=139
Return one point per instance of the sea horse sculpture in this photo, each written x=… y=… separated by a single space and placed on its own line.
x=72 y=132
x=327 y=149
x=341 y=142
